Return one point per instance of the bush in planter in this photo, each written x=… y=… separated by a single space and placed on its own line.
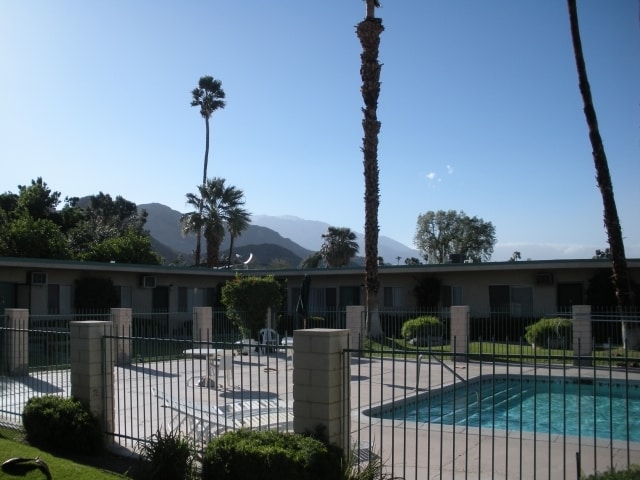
x=549 y=331
x=269 y=455
x=62 y=424
x=425 y=328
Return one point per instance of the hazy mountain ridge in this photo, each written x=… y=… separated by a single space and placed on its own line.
x=308 y=233
x=298 y=236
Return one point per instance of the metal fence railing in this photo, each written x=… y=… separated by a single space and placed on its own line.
x=46 y=371
x=200 y=389
x=422 y=408
x=432 y=413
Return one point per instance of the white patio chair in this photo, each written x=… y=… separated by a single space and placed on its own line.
x=268 y=339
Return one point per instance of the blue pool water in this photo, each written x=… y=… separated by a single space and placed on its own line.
x=590 y=408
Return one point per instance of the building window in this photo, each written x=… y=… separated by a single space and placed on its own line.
x=320 y=299
x=451 y=295
x=392 y=297
x=199 y=297
x=515 y=300
x=349 y=296
x=53 y=299
x=125 y=297
x=183 y=299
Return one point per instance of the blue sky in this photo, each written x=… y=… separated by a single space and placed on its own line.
x=480 y=110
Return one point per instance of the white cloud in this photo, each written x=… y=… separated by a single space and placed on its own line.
x=449 y=169
x=431 y=176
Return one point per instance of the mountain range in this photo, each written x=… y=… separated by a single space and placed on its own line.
x=286 y=240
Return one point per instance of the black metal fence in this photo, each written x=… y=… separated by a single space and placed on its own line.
x=501 y=409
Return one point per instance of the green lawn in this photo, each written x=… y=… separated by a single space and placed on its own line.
x=499 y=352
x=102 y=467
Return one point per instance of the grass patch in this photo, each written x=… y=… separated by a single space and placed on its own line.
x=106 y=466
x=516 y=353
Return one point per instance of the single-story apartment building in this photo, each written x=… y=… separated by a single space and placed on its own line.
x=48 y=287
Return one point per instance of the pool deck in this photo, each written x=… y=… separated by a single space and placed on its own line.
x=407 y=450
x=434 y=451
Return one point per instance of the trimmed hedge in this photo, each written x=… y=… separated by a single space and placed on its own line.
x=547 y=331
x=420 y=327
x=269 y=455
x=62 y=424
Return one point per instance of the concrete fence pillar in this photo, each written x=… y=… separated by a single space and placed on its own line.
x=16 y=342
x=356 y=325
x=582 y=336
x=321 y=382
x=202 y=324
x=460 y=330
x=92 y=363
x=122 y=322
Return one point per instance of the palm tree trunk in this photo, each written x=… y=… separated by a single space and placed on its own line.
x=206 y=152
x=231 y=239
x=198 y=250
x=204 y=182
x=369 y=31
x=620 y=278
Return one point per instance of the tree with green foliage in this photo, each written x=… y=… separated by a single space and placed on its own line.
x=442 y=236
x=339 y=246
x=107 y=229
x=37 y=200
x=112 y=230
x=412 y=261
x=219 y=204
x=368 y=31
x=33 y=238
x=248 y=299
x=115 y=216
x=130 y=247
x=31 y=226
x=209 y=96
x=313 y=260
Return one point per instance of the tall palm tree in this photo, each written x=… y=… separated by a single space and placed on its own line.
x=369 y=31
x=624 y=292
x=209 y=96
x=238 y=222
x=339 y=246
x=218 y=204
x=192 y=223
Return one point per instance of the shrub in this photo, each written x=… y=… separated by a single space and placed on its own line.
x=424 y=326
x=632 y=473
x=546 y=330
x=166 y=456
x=248 y=298
x=269 y=455
x=62 y=424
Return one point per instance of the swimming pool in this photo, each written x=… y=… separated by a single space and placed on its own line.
x=592 y=408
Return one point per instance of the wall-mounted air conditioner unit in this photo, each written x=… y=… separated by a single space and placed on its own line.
x=149 y=281
x=37 y=278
